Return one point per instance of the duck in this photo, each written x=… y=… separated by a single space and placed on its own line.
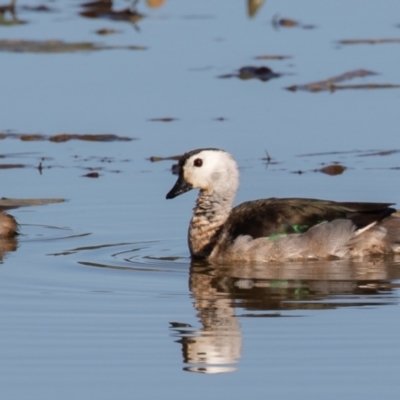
x=275 y=229
x=8 y=226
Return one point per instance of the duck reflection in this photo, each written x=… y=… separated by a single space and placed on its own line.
x=218 y=344
x=219 y=291
x=7 y=245
x=8 y=232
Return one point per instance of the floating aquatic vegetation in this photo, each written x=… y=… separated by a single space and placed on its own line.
x=163 y=119
x=32 y=138
x=369 y=41
x=107 y=31
x=98 y=4
x=286 y=22
x=261 y=73
x=102 y=159
x=56 y=46
x=272 y=57
x=103 y=9
x=8 y=203
x=249 y=72
x=289 y=23
x=269 y=160
x=10 y=166
x=92 y=175
x=336 y=168
x=330 y=84
x=64 y=137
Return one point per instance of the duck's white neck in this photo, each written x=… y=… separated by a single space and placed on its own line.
x=210 y=213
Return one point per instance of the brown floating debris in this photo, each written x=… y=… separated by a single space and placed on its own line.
x=56 y=46
x=9 y=166
x=262 y=73
x=334 y=169
x=32 y=138
x=64 y=137
x=107 y=4
x=6 y=203
x=288 y=23
x=249 y=72
x=330 y=83
x=272 y=57
x=163 y=119
x=107 y=31
x=369 y=41
x=92 y=175
x=127 y=14
x=326 y=84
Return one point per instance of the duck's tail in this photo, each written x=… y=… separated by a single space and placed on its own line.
x=382 y=237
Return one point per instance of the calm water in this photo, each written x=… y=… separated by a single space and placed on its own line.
x=98 y=297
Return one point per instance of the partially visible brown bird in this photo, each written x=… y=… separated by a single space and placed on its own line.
x=8 y=225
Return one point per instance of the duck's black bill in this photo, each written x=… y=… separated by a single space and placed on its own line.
x=180 y=187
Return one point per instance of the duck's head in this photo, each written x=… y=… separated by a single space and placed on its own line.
x=210 y=170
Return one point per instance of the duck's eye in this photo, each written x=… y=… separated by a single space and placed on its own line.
x=198 y=162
